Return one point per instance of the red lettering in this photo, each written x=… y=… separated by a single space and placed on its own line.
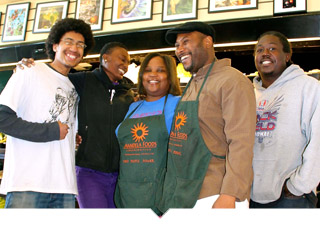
x=266 y=126
x=148 y=160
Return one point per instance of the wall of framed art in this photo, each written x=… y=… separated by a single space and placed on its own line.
x=113 y=16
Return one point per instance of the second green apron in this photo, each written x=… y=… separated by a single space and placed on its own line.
x=188 y=156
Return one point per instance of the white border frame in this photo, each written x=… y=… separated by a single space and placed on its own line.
x=278 y=7
x=94 y=27
x=176 y=17
x=213 y=8
x=21 y=37
x=147 y=16
x=40 y=6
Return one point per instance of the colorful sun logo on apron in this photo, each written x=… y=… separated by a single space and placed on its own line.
x=181 y=119
x=139 y=132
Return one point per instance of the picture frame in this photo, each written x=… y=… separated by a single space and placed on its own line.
x=15 y=24
x=229 y=5
x=131 y=10
x=91 y=12
x=289 y=6
x=184 y=9
x=47 y=13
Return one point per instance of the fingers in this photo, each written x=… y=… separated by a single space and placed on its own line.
x=64 y=128
x=25 y=61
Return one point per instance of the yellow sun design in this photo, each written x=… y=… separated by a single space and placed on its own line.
x=181 y=118
x=139 y=132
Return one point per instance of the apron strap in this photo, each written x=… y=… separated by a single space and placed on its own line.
x=209 y=70
x=129 y=115
x=205 y=79
x=164 y=105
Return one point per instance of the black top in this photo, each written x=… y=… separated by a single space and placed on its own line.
x=99 y=114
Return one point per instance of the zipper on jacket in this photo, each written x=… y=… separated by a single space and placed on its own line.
x=111 y=133
x=112 y=92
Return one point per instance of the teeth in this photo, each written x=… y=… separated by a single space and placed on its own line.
x=266 y=62
x=71 y=56
x=121 y=71
x=184 y=57
x=153 y=81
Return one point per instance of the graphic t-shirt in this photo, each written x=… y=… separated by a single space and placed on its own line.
x=40 y=94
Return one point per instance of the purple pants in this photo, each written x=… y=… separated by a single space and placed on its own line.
x=95 y=188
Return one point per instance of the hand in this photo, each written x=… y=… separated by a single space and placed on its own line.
x=225 y=201
x=64 y=128
x=287 y=193
x=24 y=62
x=78 y=140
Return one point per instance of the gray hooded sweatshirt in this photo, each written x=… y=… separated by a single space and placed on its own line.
x=287 y=142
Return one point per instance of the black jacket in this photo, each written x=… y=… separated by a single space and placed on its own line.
x=98 y=117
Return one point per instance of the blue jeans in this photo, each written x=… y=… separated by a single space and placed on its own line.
x=29 y=199
x=304 y=201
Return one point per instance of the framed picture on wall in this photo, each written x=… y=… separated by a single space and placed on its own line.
x=15 y=24
x=91 y=11
x=179 y=10
x=226 y=5
x=289 y=6
x=47 y=14
x=131 y=10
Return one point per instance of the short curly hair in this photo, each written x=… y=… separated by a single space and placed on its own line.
x=67 y=25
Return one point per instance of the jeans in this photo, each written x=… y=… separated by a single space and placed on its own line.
x=95 y=188
x=304 y=201
x=29 y=199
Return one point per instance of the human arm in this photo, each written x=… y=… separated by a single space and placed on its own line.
x=28 y=62
x=225 y=201
x=239 y=115
x=14 y=126
x=306 y=176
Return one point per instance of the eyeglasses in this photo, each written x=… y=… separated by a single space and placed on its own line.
x=71 y=42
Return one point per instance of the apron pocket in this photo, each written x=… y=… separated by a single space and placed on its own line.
x=186 y=192
x=136 y=194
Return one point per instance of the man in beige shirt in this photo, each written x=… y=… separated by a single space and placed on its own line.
x=211 y=143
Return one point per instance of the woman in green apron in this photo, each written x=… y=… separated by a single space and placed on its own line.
x=144 y=133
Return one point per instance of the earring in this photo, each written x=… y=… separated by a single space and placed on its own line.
x=105 y=60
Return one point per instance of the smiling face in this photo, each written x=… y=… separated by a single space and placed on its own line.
x=155 y=79
x=270 y=59
x=115 y=64
x=69 y=52
x=192 y=50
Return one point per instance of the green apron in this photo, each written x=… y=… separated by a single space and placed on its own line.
x=188 y=156
x=143 y=144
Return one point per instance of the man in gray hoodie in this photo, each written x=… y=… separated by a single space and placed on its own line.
x=287 y=147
